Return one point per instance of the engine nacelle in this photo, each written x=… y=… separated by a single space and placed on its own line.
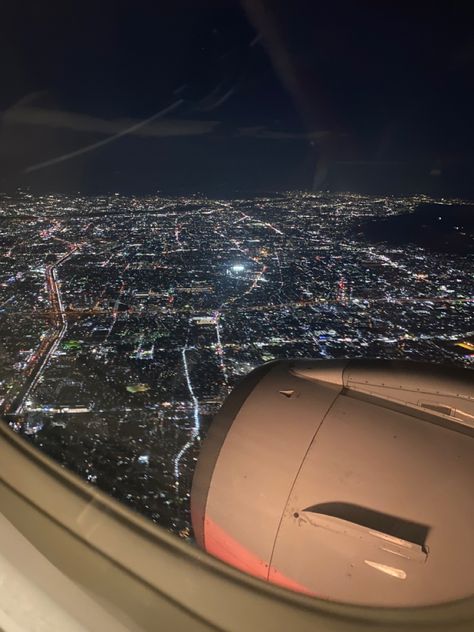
x=349 y=480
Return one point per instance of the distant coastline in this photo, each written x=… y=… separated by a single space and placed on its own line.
x=445 y=228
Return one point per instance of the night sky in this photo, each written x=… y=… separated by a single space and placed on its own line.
x=244 y=97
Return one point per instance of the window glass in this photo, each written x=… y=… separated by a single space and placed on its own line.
x=192 y=189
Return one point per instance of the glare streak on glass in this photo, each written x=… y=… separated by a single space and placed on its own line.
x=105 y=141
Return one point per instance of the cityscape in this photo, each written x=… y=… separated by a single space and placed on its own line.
x=126 y=321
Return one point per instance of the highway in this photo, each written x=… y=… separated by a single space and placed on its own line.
x=47 y=348
x=231 y=307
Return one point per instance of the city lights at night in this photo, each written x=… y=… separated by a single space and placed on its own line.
x=236 y=316
x=123 y=342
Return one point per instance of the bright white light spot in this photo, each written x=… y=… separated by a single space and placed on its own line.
x=388 y=570
x=238 y=267
x=144 y=458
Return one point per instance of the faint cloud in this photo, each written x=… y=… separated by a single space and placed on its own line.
x=74 y=121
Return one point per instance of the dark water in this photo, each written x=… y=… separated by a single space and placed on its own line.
x=440 y=227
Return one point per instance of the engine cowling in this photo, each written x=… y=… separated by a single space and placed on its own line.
x=348 y=480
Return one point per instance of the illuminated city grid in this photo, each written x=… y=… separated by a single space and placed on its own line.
x=126 y=321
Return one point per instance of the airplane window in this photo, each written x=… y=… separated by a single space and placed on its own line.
x=191 y=190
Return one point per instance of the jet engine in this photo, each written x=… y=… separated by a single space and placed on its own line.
x=348 y=480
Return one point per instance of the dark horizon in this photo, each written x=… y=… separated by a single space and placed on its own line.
x=249 y=95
